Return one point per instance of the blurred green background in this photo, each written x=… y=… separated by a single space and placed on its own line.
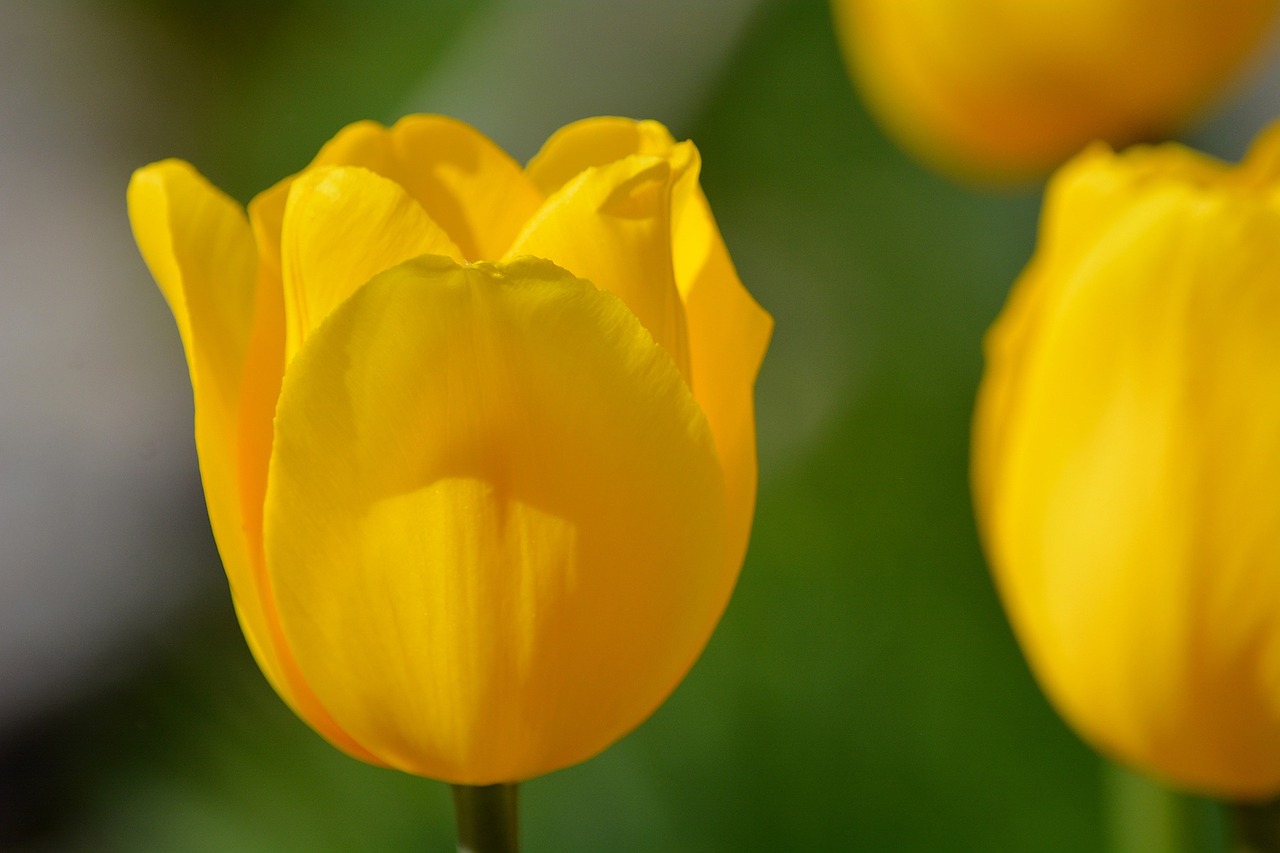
x=863 y=691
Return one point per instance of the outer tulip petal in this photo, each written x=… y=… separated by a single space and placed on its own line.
x=198 y=246
x=343 y=225
x=728 y=335
x=508 y=453
x=1124 y=455
x=612 y=225
x=593 y=142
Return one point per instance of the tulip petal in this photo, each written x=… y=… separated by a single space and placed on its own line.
x=612 y=226
x=494 y=519
x=266 y=218
x=199 y=248
x=259 y=391
x=593 y=142
x=728 y=335
x=469 y=186
x=197 y=244
x=343 y=225
x=728 y=331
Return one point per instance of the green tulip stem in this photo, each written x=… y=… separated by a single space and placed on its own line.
x=487 y=819
x=1145 y=816
x=1257 y=827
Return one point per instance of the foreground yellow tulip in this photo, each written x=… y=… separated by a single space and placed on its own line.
x=477 y=441
x=1009 y=89
x=1127 y=461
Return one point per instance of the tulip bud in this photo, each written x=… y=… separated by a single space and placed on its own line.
x=477 y=441
x=1009 y=89
x=1126 y=461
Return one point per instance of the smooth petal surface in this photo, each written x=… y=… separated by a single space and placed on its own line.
x=343 y=225
x=508 y=455
x=1125 y=450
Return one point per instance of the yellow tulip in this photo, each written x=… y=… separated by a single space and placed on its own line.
x=477 y=441
x=1009 y=89
x=1127 y=461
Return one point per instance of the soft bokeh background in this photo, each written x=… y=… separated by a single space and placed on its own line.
x=863 y=692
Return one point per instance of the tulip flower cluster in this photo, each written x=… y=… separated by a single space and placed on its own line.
x=477 y=441
x=1126 y=452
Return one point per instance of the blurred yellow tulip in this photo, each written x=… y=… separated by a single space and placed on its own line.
x=1007 y=90
x=1127 y=461
x=477 y=441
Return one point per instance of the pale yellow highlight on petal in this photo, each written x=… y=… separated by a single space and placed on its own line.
x=1124 y=465
x=728 y=332
x=612 y=226
x=343 y=225
x=514 y=549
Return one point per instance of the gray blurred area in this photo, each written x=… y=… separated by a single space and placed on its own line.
x=100 y=537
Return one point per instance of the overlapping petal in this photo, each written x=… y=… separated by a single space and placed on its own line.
x=612 y=226
x=508 y=455
x=342 y=226
x=728 y=331
x=594 y=142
